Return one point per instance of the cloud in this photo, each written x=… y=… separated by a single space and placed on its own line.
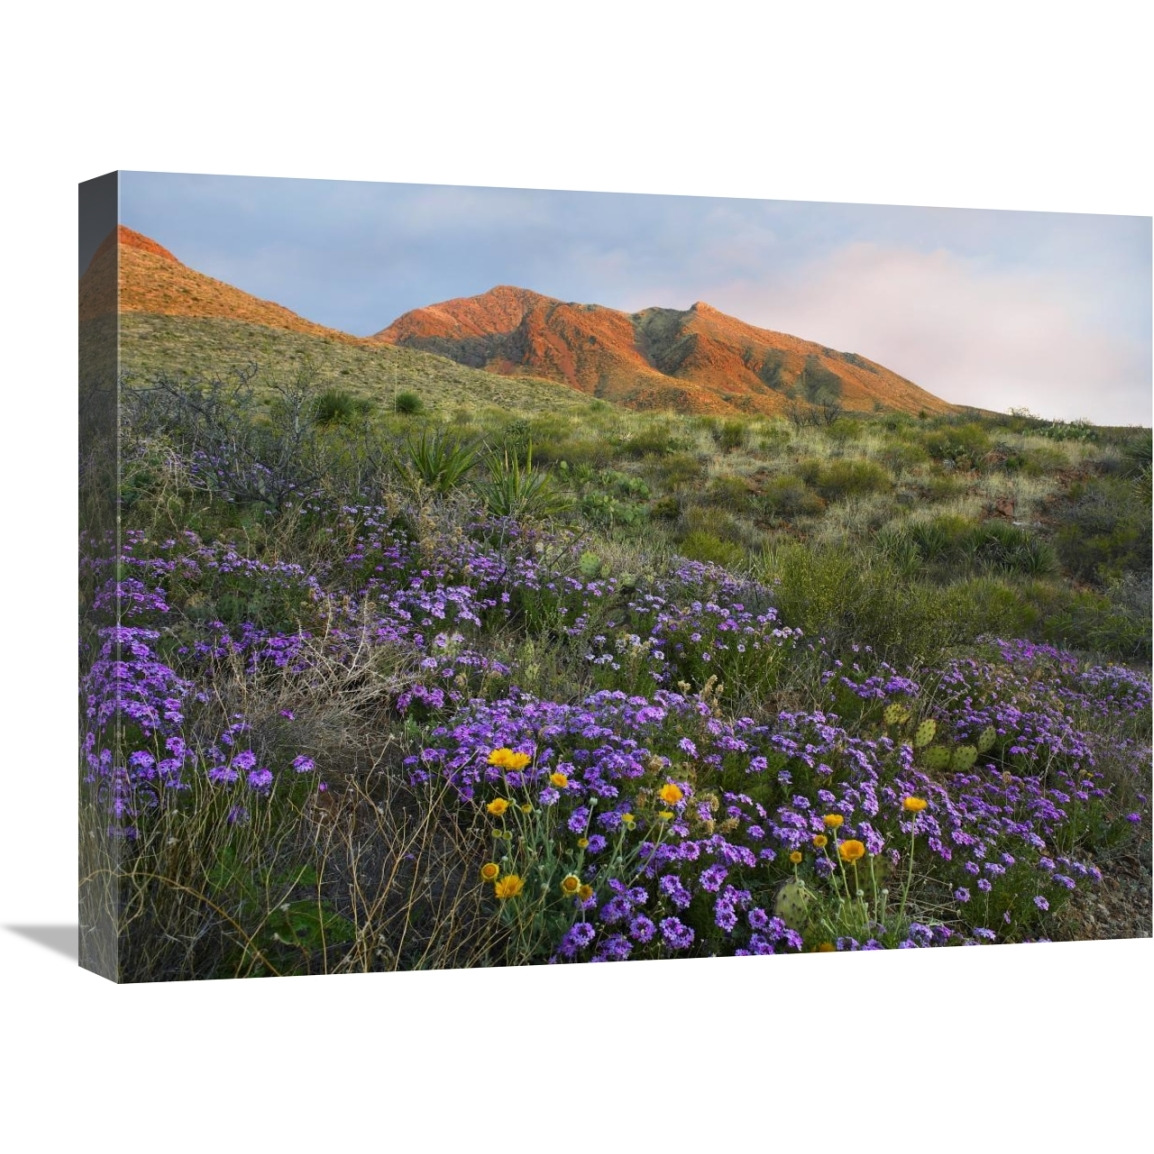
x=966 y=329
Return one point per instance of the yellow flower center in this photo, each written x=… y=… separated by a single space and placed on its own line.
x=490 y=871
x=570 y=884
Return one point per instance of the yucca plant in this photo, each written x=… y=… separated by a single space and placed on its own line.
x=518 y=491
x=436 y=460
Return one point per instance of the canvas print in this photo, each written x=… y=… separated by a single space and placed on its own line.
x=490 y=577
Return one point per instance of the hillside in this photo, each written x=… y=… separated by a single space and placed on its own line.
x=697 y=360
x=152 y=280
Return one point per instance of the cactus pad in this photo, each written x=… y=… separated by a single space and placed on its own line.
x=986 y=738
x=963 y=758
x=925 y=733
x=936 y=757
x=792 y=904
x=896 y=714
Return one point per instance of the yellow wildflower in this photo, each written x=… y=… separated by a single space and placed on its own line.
x=559 y=780
x=833 y=820
x=628 y=818
x=497 y=806
x=582 y=842
x=490 y=871
x=585 y=893
x=851 y=850
x=670 y=794
x=509 y=886
x=665 y=814
x=570 y=884
x=526 y=808
x=820 y=840
x=795 y=857
x=826 y=948
x=914 y=804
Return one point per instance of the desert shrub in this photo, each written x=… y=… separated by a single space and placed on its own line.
x=898 y=455
x=729 y=493
x=700 y=545
x=595 y=452
x=843 y=594
x=336 y=406
x=773 y=440
x=843 y=430
x=408 y=404
x=940 y=487
x=674 y=471
x=652 y=440
x=786 y=496
x=665 y=508
x=1010 y=548
x=841 y=479
x=964 y=445
x=731 y=435
x=1104 y=530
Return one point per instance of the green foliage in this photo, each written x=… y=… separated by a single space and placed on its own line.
x=408 y=404
x=437 y=460
x=519 y=491
x=786 y=496
x=336 y=406
x=819 y=385
x=731 y=435
x=700 y=545
x=1105 y=529
x=731 y=493
x=964 y=446
x=842 y=479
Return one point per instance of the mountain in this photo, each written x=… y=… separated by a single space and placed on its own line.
x=697 y=360
x=694 y=360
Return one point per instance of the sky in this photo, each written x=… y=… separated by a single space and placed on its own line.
x=1045 y=311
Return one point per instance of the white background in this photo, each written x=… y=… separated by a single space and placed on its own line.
x=982 y=106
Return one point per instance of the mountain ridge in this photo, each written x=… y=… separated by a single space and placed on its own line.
x=699 y=358
x=695 y=360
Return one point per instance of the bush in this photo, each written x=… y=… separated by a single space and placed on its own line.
x=335 y=407
x=787 y=496
x=841 y=479
x=729 y=493
x=408 y=404
x=731 y=435
x=965 y=446
x=700 y=545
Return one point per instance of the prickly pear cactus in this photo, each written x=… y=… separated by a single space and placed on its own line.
x=896 y=714
x=936 y=757
x=792 y=904
x=925 y=733
x=986 y=738
x=963 y=758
